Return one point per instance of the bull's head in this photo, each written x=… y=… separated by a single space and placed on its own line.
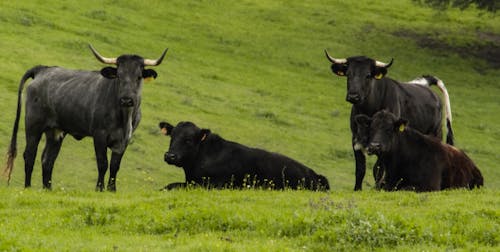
x=384 y=127
x=185 y=141
x=129 y=72
x=361 y=72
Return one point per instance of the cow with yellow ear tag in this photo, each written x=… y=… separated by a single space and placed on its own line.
x=414 y=161
x=369 y=90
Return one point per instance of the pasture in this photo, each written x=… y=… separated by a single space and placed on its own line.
x=253 y=72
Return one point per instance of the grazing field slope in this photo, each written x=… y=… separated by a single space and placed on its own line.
x=254 y=72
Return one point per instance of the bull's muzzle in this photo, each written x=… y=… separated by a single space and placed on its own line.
x=170 y=158
x=126 y=102
x=353 y=98
x=374 y=148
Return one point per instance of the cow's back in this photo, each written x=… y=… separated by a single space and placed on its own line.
x=67 y=99
x=287 y=172
x=225 y=161
x=461 y=172
x=421 y=107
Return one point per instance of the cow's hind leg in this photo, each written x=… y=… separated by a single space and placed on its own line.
x=116 y=159
x=32 y=141
x=101 y=155
x=54 y=140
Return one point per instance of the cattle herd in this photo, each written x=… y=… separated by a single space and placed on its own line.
x=401 y=123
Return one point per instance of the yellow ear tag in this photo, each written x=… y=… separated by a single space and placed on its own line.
x=401 y=128
x=164 y=131
x=379 y=76
x=148 y=79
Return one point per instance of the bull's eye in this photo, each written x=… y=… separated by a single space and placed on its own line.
x=368 y=76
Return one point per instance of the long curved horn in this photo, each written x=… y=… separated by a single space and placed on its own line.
x=149 y=62
x=101 y=58
x=334 y=60
x=382 y=64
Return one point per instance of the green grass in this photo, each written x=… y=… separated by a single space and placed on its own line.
x=253 y=72
x=200 y=220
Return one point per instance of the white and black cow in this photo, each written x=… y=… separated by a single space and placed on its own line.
x=369 y=91
x=104 y=105
x=210 y=160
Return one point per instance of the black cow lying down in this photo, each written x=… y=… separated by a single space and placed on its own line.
x=413 y=160
x=211 y=161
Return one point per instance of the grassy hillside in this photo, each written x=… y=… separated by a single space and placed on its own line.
x=254 y=72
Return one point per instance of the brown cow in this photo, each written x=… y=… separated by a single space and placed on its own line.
x=413 y=160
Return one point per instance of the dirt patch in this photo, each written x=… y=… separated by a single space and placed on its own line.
x=488 y=50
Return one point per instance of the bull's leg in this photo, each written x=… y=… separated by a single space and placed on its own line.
x=101 y=154
x=116 y=159
x=32 y=140
x=360 y=158
x=49 y=155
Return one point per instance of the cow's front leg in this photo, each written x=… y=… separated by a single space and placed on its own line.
x=101 y=155
x=116 y=159
x=360 y=160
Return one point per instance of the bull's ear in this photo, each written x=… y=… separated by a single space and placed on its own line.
x=204 y=134
x=109 y=72
x=339 y=69
x=166 y=128
x=379 y=72
x=362 y=120
x=400 y=125
x=149 y=74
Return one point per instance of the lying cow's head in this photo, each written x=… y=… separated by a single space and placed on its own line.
x=384 y=127
x=129 y=72
x=185 y=140
x=360 y=72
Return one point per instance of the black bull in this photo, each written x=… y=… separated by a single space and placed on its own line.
x=369 y=91
x=210 y=160
x=104 y=105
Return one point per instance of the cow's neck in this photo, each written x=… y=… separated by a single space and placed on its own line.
x=374 y=101
x=127 y=119
x=128 y=115
x=406 y=143
x=209 y=150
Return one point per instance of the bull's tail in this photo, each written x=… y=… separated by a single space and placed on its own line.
x=436 y=81
x=429 y=80
x=12 y=152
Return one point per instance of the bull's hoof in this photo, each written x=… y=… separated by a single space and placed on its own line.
x=111 y=188
x=99 y=188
